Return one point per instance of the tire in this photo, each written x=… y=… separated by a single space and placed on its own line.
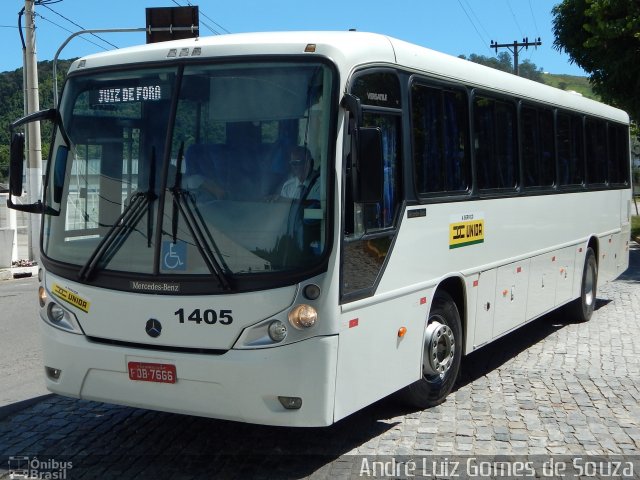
x=582 y=308
x=442 y=352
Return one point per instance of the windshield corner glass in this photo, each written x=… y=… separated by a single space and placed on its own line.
x=206 y=169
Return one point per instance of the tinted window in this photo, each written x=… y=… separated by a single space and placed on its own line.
x=570 y=149
x=380 y=215
x=538 y=152
x=379 y=89
x=597 y=160
x=618 y=154
x=440 y=139
x=495 y=143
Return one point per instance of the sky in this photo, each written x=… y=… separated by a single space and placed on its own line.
x=451 y=26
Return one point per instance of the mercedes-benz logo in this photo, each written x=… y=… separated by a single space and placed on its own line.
x=153 y=328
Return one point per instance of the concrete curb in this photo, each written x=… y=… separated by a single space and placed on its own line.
x=18 y=272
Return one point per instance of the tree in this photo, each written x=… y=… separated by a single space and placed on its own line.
x=603 y=37
x=504 y=62
x=530 y=70
x=12 y=105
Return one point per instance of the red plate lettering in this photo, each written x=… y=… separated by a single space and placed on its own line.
x=152 y=372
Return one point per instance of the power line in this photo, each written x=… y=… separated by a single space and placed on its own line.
x=76 y=24
x=213 y=30
x=477 y=18
x=472 y=23
x=209 y=18
x=70 y=31
x=535 y=24
x=515 y=19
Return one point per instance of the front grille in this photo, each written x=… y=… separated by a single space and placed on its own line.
x=157 y=348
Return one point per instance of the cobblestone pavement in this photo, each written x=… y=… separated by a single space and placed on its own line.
x=552 y=388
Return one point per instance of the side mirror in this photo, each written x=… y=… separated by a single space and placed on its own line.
x=16 y=164
x=59 y=170
x=369 y=170
x=16 y=159
x=366 y=155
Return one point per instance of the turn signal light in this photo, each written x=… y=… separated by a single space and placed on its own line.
x=42 y=297
x=303 y=316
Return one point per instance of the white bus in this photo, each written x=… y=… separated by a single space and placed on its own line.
x=440 y=205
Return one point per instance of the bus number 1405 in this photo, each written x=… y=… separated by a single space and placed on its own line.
x=208 y=316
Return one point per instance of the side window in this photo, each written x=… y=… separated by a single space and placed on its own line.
x=538 y=151
x=618 y=154
x=570 y=149
x=439 y=121
x=379 y=216
x=596 y=151
x=495 y=143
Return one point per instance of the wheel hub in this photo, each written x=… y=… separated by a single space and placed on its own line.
x=439 y=349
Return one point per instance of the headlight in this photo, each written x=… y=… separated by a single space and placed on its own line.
x=59 y=317
x=274 y=332
x=277 y=331
x=303 y=316
x=55 y=313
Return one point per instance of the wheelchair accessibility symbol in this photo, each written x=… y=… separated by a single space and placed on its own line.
x=174 y=256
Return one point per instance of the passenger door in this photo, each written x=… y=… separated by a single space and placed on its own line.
x=369 y=228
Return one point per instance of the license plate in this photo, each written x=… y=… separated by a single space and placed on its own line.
x=152 y=372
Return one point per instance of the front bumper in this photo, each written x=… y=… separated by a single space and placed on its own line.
x=240 y=385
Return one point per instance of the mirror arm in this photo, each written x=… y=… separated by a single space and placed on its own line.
x=37 y=207
x=49 y=114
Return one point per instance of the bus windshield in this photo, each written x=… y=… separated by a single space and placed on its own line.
x=205 y=169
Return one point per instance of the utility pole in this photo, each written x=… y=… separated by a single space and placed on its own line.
x=515 y=48
x=34 y=147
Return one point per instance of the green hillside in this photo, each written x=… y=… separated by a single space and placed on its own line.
x=570 y=83
x=12 y=104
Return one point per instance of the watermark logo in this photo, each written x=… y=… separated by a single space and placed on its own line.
x=18 y=467
x=33 y=468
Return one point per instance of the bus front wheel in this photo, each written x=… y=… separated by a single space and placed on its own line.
x=442 y=352
x=582 y=308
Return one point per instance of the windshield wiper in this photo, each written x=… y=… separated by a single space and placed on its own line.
x=184 y=203
x=124 y=225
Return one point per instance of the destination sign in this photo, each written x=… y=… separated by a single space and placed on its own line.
x=142 y=93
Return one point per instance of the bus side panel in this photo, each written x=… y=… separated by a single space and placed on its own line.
x=373 y=360
x=485 y=308
x=608 y=262
x=511 y=297
x=565 y=271
x=543 y=281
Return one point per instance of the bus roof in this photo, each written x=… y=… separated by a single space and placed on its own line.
x=351 y=50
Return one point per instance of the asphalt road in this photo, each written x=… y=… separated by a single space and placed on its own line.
x=21 y=371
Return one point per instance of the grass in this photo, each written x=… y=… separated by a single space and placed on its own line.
x=570 y=82
x=635 y=227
